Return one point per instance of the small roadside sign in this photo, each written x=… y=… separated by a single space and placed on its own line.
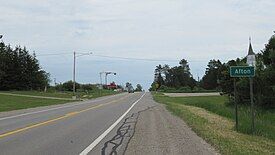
x=242 y=71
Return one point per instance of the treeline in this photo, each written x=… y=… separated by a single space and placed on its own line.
x=19 y=70
x=178 y=77
x=68 y=86
x=129 y=86
x=217 y=77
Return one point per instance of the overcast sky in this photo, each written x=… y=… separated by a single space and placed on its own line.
x=196 y=30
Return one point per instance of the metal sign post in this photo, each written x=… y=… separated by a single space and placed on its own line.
x=236 y=106
x=243 y=71
x=252 y=106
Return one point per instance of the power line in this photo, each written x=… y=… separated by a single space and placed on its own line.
x=107 y=56
x=124 y=58
x=129 y=58
x=144 y=59
x=56 y=54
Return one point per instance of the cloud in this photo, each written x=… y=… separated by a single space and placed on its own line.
x=161 y=29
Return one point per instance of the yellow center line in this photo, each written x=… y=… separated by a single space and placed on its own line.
x=70 y=114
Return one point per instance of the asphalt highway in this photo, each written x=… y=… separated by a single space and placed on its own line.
x=85 y=127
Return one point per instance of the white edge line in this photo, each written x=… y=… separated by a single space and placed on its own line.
x=66 y=106
x=104 y=134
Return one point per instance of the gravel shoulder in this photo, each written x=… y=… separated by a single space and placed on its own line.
x=159 y=132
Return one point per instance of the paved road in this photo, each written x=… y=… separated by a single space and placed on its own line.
x=63 y=129
x=101 y=126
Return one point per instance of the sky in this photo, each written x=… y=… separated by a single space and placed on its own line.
x=196 y=30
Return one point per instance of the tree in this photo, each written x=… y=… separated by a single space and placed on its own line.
x=175 y=77
x=210 y=79
x=153 y=87
x=20 y=70
x=267 y=53
x=180 y=76
x=129 y=87
x=172 y=77
x=68 y=86
x=158 y=75
x=88 y=87
x=139 y=87
x=184 y=64
x=267 y=78
x=264 y=80
x=128 y=84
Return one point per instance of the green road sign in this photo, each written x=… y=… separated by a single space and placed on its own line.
x=242 y=71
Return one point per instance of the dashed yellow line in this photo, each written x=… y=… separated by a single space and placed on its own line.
x=56 y=119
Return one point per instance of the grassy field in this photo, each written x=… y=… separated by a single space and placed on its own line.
x=81 y=95
x=8 y=102
x=214 y=121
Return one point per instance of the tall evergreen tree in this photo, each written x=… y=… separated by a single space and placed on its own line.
x=19 y=70
x=210 y=79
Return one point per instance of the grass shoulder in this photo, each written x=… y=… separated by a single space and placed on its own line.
x=8 y=103
x=213 y=120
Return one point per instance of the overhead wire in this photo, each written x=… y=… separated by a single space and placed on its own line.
x=122 y=58
x=53 y=54
x=131 y=58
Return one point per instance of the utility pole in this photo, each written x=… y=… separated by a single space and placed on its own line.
x=74 y=76
x=74 y=67
x=100 y=76
x=101 y=86
x=106 y=76
x=106 y=82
